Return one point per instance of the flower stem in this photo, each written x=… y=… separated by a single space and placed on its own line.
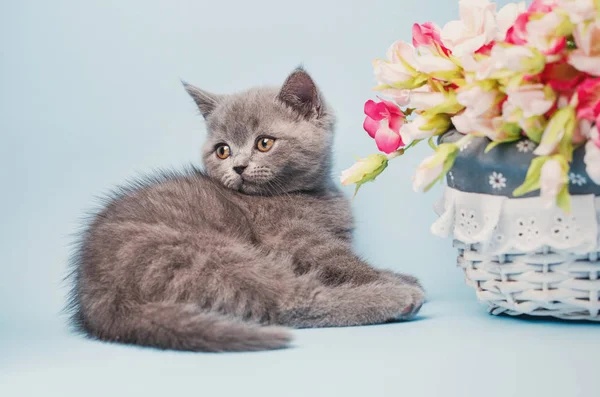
x=395 y=154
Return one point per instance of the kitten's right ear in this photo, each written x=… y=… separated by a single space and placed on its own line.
x=206 y=101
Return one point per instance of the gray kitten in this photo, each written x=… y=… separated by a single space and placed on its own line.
x=221 y=261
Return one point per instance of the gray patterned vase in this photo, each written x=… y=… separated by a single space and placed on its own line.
x=503 y=169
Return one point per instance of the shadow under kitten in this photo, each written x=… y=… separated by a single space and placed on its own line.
x=224 y=260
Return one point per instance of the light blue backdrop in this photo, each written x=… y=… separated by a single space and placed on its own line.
x=90 y=96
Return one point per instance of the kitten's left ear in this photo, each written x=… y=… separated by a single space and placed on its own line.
x=301 y=94
x=206 y=101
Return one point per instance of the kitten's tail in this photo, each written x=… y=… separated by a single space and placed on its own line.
x=181 y=326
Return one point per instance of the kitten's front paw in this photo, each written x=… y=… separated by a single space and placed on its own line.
x=412 y=306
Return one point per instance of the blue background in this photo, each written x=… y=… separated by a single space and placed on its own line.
x=90 y=96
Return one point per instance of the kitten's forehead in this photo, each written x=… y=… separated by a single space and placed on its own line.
x=244 y=115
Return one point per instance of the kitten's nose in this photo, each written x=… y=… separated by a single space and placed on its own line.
x=240 y=169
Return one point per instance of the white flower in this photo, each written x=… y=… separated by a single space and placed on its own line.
x=481 y=114
x=531 y=99
x=394 y=69
x=424 y=98
x=577 y=179
x=512 y=58
x=477 y=100
x=541 y=33
x=466 y=123
x=507 y=59
x=476 y=27
x=482 y=68
x=578 y=10
x=413 y=130
x=551 y=182
x=525 y=146
x=592 y=157
x=586 y=57
x=430 y=63
x=497 y=181
x=507 y=16
x=426 y=173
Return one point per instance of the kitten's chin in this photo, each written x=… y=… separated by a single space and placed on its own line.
x=250 y=188
x=256 y=188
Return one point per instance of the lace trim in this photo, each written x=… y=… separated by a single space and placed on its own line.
x=502 y=225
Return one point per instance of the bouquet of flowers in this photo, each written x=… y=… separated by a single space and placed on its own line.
x=509 y=74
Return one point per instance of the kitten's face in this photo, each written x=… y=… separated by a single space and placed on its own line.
x=268 y=141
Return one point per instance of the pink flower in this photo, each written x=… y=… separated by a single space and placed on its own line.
x=588 y=94
x=427 y=36
x=561 y=77
x=542 y=34
x=383 y=123
x=506 y=18
x=543 y=6
x=517 y=34
x=538 y=28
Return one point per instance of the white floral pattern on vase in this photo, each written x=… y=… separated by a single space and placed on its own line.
x=465 y=146
x=577 y=179
x=526 y=146
x=497 y=181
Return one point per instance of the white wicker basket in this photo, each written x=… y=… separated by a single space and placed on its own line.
x=522 y=258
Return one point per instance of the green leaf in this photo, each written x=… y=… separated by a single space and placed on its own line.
x=535 y=64
x=492 y=145
x=431 y=143
x=410 y=84
x=532 y=180
x=448 y=75
x=565 y=146
x=534 y=128
x=563 y=200
x=559 y=129
x=440 y=123
x=449 y=106
x=565 y=28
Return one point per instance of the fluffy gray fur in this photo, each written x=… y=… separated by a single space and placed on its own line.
x=218 y=261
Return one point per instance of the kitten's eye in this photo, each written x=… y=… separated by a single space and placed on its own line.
x=223 y=151
x=264 y=144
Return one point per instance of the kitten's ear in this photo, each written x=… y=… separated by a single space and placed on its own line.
x=206 y=101
x=301 y=94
